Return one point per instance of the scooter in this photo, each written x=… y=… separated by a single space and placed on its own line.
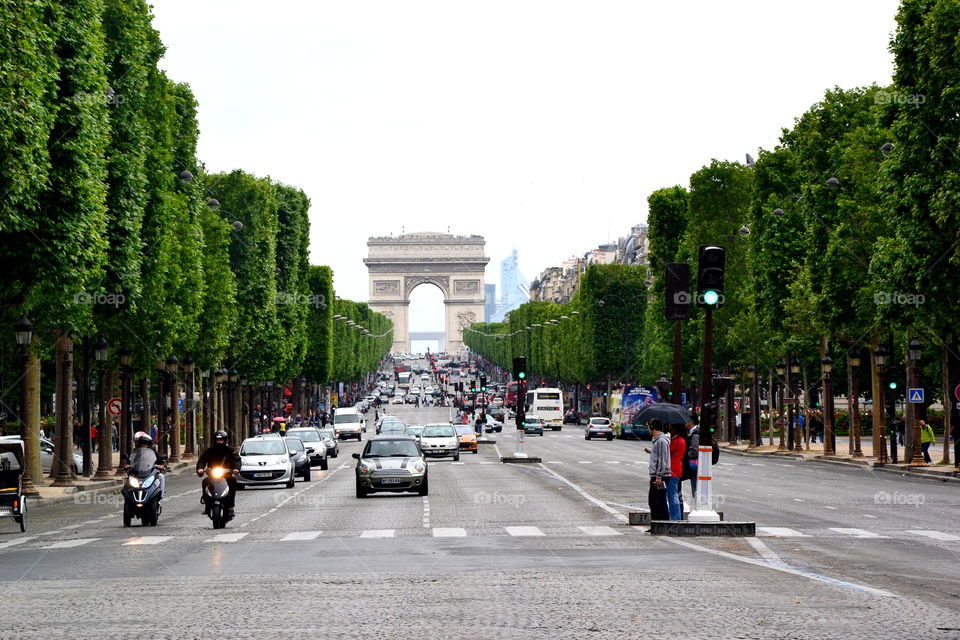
x=141 y=498
x=214 y=496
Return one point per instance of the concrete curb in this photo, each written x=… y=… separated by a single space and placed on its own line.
x=98 y=487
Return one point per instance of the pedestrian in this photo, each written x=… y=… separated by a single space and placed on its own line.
x=659 y=467
x=691 y=457
x=116 y=437
x=901 y=429
x=926 y=439
x=678 y=446
x=93 y=438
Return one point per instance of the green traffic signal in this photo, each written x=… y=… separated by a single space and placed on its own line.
x=892 y=385
x=710 y=297
x=522 y=375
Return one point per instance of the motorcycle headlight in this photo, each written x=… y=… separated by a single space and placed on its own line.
x=147 y=482
x=133 y=482
x=217 y=472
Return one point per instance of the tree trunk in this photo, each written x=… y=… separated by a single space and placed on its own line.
x=174 y=417
x=62 y=466
x=145 y=417
x=948 y=401
x=31 y=413
x=104 y=426
x=876 y=391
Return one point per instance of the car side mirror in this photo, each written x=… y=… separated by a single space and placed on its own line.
x=356 y=455
x=293 y=453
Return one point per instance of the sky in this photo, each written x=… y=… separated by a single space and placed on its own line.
x=539 y=124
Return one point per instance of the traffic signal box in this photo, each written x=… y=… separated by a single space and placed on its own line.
x=710 y=269
x=520 y=375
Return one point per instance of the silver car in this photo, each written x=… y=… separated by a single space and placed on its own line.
x=330 y=439
x=47 y=450
x=391 y=463
x=312 y=439
x=265 y=460
x=440 y=440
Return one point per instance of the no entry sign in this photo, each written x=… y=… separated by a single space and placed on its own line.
x=114 y=406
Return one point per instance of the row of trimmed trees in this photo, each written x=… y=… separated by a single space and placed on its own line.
x=109 y=226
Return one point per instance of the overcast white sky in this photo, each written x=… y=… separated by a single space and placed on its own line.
x=542 y=125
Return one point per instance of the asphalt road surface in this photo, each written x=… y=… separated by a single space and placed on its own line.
x=499 y=551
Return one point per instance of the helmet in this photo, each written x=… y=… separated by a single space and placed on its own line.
x=144 y=439
x=220 y=435
x=138 y=435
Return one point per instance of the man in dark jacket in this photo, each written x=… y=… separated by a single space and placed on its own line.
x=221 y=455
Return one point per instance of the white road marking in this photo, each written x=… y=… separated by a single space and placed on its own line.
x=457 y=463
x=600 y=503
x=524 y=531
x=300 y=535
x=97 y=521
x=600 y=531
x=936 y=535
x=66 y=544
x=798 y=500
x=449 y=532
x=584 y=462
x=486 y=463
x=13 y=543
x=832 y=508
x=780 y=532
x=227 y=537
x=613 y=462
x=867 y=515
x=757 y=464
x=856 y=533
x=554 y=461
x=378 y=533
x=765 y=552
x=145 y=540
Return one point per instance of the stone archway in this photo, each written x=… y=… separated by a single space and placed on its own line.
x=455 y=264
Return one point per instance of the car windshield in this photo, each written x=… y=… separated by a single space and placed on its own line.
x=306 y=435
x=349 y=417
x=414 y=431
x=329 y=434
x=391 y=448
x=295 y=444
x=441 y=431
x=464 y=429
x=271 y=447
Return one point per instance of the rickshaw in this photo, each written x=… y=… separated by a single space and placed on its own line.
x=13 y=504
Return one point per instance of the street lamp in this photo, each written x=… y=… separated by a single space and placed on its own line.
x=188 y=368
x=104 y=457
x=781 y=368
x=754 y=407
x=174 y=386
x=794 y=408
x=854 y=405
x=826 y=368
x=23 y=330
x=123 y=355
x=880 y=357
x=914 y=353
x=232 y=401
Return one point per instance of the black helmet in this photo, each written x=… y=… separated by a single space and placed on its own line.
x=220 y=435
x=145 y=440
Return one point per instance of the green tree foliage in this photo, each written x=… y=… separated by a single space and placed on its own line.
x=318 y=364
x=293 y=246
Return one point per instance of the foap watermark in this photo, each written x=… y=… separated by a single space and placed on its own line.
x=109 y=299
x=310 y=299
x=305 y=500
x=510 y=499
x=88 y=497
x=899 y=499
x=109 y=97
x=895 y=297
x=896 y=97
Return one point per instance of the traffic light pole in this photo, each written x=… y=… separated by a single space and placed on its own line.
x=703 y=510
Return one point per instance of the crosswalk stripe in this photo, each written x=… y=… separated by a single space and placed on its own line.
x=780 y=532
x=585 y=462
x=378 y=533
x=524 y=531
x=146 y=540
x=449 y=532
x=66 y=544
x=226 y=537
x=13 y=543
x=301 y=535
x=600 y=531
x=856 y=533
x=936 y=535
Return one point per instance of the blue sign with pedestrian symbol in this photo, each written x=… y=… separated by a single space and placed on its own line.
x=916 y=395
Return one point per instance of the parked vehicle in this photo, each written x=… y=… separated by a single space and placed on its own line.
x=13 y=504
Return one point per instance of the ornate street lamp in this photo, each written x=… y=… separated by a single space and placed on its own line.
x=174 y=388
x=826 y=368
x=781 y=368
x=23 y=331
x=189 y=368
x=754 y=407
x=105 y=455
x=880 y=357
x=126 y=433
x=794 y=408
x=914 y=353
x=853 y=360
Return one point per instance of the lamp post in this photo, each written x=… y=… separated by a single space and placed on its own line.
x=123 y=354
x=23 y=330
x=189 y=449
x=232 y=402
x=914 y=353
x=205 y=422
x=754 y=407
x=172 y=364
x=826 y=368
x=781 y=368
x=853 y=360
x=270 y=403
x=880 y=356
x=795 y=407
x=105 y=456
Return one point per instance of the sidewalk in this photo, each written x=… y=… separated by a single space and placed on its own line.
x=946 y=473
x=58 y=495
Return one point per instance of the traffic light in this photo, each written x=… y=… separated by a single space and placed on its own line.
x=483 y=383
x=708 y=422
x=710 y=275
x=520 y=368
x=678 y=291
x=473 y=386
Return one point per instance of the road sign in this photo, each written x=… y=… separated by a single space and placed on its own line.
x=114 y=406
x=916 y=395
x=736 y=405
x=789 y=401
x=956 y=392
x=683 y=398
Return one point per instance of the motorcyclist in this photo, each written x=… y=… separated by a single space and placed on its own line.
x=221 y=455
x=144 y=449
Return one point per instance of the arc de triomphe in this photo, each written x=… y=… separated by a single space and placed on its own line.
x=455 y=264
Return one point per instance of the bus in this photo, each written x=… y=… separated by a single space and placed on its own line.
x=548 y=404
x=511 y=399
x=403 y=378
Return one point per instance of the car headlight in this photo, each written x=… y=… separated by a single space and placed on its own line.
x=282 y=460
x=419 y=466
x=364 y=468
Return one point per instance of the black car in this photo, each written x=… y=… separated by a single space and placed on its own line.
x=301 y=460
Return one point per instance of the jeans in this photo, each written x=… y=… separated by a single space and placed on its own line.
x=673 y=499
x=657 y=499
x=925 y=448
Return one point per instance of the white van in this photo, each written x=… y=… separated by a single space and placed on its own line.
x=347 y=423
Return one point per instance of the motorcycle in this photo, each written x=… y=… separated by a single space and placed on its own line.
x=214 y=496
x=141 y=492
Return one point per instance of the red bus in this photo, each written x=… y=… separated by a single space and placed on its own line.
x=511 y=399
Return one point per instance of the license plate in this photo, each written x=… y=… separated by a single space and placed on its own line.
x=262 y=475
x=391 y=480
x=5 y=511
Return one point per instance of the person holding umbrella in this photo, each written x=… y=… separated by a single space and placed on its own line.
x=659 y=471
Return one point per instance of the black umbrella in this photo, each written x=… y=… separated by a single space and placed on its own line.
x=665 y=412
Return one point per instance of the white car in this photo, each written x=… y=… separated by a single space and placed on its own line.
x=265 y=460
x=440 y=440
x=429 y=390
